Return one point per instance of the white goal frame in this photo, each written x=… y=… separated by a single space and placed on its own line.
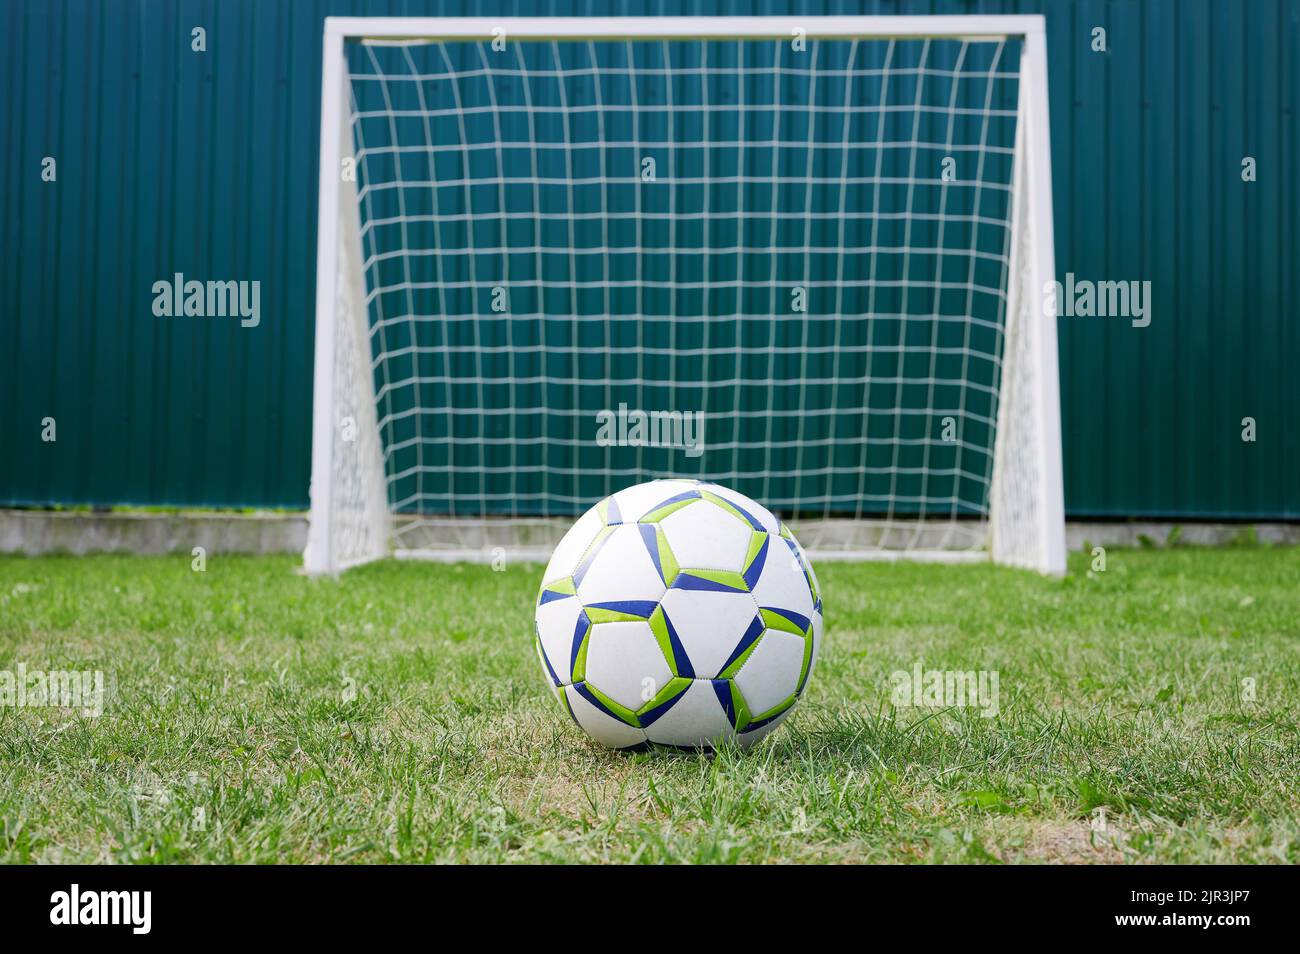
x=1038 y=528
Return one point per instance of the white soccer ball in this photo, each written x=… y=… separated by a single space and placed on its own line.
x=678 y=613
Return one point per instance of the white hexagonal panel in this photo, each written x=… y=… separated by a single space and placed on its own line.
x=622 y=571
x=781 y=584
x=557 y=622
x=770 y=675
x=807 y=565
x=635 y=502
x=704 y=536
x=751 y=507
x=709 y=624
x=572 y=546
x=696 y=720
x=600 y=725
x=624 y=662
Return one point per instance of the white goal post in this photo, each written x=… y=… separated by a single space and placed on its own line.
x=802 y=256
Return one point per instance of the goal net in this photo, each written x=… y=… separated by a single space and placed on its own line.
x=804 y=258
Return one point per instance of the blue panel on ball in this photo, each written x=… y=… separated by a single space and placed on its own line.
x=684 y=667
x=549 y=668
x=677 y=498
x=648 y=719
x=746 y=514
x=685 y=581
x=639 y=608
x=754 y=569
x=722 y=688
x=589 y=559
x=755 y=630
x=612 y=514
x=550 y=596
x=591 y=697
x=799 y=620
x=651 y=541
x=579 y=633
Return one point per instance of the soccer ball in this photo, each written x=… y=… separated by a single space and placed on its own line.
x=678 y=613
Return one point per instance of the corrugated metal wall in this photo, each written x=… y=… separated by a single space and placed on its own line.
x=205 y=163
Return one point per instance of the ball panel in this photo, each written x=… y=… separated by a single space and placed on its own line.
x=781 y=582
x=770 y=675
x=760 y=544
x=743 y=649
x=649 y=713
x=621 y=570
x=551 y=674
x=751 y=508
x=717 y=581
x=569 y=551
x=661 y=554
x=703 y=535
x=557 y=624
x=607 y=705
x=709 y=625
x=625 y=663
x=815 y=637
x=759 y=730
x=600 y=725
x=813 y=584
x=557 y=589
x=671 y=506
x=696 y=720
x=787 y=621
x=670 y=644
x=635 y=502
x=621 y=611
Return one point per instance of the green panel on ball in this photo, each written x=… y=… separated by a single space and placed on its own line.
x=777 y=709
x=725 y=577
x=674 y=687
x=599 y=615
x=667 y=562
x=726 y=505
x=654 y=516
x=776 y=621
x=580 y=661
x=755 y=546
x=739 y=706
x=659 y=626
x=730 y=671
x=620 y=712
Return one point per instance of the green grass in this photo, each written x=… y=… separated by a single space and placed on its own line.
x=1120 y=691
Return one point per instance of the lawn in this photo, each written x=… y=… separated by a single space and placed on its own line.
x=1147 y=713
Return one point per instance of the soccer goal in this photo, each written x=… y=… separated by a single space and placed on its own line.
x=800 y=256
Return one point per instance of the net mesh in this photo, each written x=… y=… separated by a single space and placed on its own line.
x=782 y=266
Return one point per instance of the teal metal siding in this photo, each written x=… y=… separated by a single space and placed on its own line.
x=1148 y=140
x=172 y=161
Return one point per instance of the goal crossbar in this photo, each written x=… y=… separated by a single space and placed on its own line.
x=973 y=28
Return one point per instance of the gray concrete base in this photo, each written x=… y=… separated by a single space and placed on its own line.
x=1162 y=534
x=35 y=532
